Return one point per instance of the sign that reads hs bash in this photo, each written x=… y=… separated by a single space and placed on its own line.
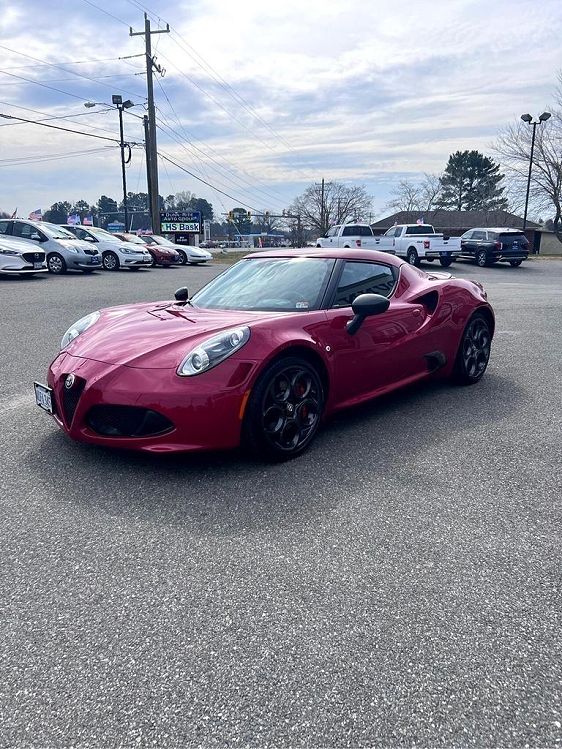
x=180 y=221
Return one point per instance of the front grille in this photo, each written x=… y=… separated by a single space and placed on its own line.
x=70 y=398
x=34 y=257
x=90 y=252
x=127 y=421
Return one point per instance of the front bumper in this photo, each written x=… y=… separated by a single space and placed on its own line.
x=80 y=262
x=205 y=411
x=140 y=261
x=23 y=270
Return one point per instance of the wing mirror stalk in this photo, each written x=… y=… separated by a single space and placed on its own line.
x=366 y=305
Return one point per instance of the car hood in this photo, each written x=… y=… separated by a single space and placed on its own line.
x=155 y=336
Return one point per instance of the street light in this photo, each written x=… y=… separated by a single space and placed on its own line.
x=529 y=120
x=117 y=101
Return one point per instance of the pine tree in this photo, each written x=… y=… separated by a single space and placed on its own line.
x=471 y=182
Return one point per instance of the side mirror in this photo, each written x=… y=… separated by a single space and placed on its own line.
x=87 y=238
x=182 y=295
x=366 y=305
x=36 y=237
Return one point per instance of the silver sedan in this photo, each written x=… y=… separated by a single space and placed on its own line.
x=17 y=257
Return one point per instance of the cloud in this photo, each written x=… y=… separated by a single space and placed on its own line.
x=284 y=93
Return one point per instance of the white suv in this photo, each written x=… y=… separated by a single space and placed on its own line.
x=115 y=253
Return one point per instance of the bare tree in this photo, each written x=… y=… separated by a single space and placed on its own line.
x=513 y=146
x=416 y=196
x=339 y=203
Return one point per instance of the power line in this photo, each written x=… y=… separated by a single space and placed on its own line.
x=187 y=171
x=65 y=129
x=107 y=13
x=5 y=163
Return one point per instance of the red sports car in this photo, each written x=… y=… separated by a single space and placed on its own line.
x=264 y=352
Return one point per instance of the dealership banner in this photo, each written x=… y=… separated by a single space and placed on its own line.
x=173 y=222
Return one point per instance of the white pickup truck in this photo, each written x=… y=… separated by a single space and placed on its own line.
x=416 y=242
x=350 y=235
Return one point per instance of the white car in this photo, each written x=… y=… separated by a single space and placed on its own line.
x=189 y=254
x=114 y=251
x=64 y=252
x=18 y=258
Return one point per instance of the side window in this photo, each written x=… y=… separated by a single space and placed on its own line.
x=363 y=278
x=4 y=227
x=479 y=235
x=468 y=235
x=25 y=231
x=80 y=233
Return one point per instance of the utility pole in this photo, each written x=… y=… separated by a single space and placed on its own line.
x=148 y=165
x=151 y=142
x=322 y=229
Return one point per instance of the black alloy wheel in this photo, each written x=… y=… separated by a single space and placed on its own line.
x=481 y=258
x=56 y=264
x=474 y=351
x=412 y=257
x=183 y=257
x=445 y=261
x=285 y=409
x=110 y=261
x=515 y=263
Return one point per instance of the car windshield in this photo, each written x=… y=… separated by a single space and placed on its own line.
x=56 y=232
x=105 y=236
x=162 y=240
x=293 y=284
x=135 y=240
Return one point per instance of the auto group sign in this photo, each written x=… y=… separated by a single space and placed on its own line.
x=174 y=222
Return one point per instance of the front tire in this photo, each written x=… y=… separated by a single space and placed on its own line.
x=481 y=259
x=284 y=410
x=515 y=263
x=445 y=261
x=474 y=351
x=183 y=257
x=56 y=264
x=110 y=261
x=412 y=257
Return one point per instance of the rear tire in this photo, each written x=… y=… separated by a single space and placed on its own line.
x=110 y=261
x=412 y=257
x=445 y=261
x=285 y=409
x=515 y=263
x=481 y=259
x=474 y=351
x=56 y=264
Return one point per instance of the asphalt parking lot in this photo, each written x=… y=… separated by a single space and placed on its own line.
x=397 y=585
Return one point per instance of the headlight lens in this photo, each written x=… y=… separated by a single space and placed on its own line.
x=73 y=249
x=79 y=327
x=214 y=350
x=131 y=252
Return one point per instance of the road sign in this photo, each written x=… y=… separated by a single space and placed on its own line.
x=172 y=222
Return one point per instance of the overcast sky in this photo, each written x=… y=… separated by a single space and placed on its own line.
x=261 y=98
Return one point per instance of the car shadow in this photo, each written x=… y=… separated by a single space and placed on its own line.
x=231 y=493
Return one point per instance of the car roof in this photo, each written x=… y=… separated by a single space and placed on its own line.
x=337 y=254
x=500 y=229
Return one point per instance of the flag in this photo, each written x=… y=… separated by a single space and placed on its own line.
x=88 y=221
x=420 y=221
x=36 y=215
x=73 y=218
x=14 y=214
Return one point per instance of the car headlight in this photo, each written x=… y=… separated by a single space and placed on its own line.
x=78 y=328
x=214 y=350
x=9 y=252
x=131 y=252
x=75 y=250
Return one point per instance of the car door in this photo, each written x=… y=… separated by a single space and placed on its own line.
x=382 y=351
x=479 y=241
x=467 y=247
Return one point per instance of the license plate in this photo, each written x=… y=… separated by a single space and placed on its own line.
x=37 y=266
x=43 y=397
x=445 y=254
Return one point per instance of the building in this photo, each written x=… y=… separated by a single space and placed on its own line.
x=455 y=223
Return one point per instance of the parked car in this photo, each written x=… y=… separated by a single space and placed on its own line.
x=62 y=249
x=264 y=352
x=351 y=236
x=115 y=252
x=487 y=246
x=162 y=254
x=416 y=242
x=18 y=258
x=189 y=254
